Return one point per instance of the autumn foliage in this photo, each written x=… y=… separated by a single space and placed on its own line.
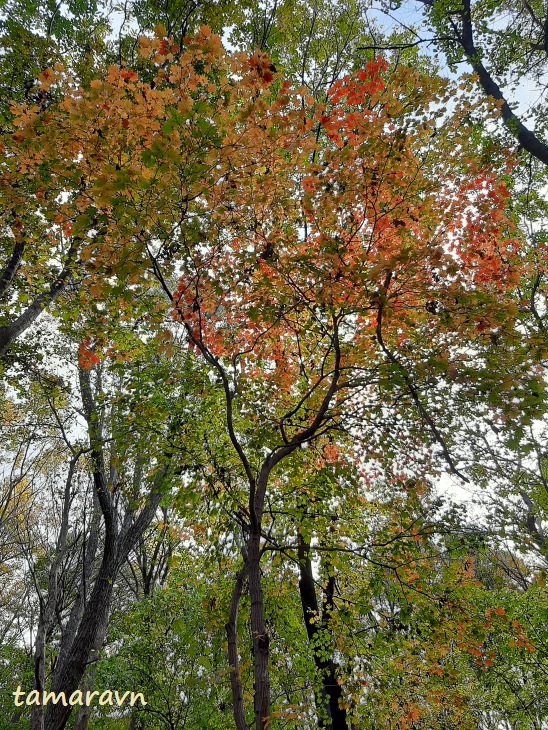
x=337 y=253
x=325 y=261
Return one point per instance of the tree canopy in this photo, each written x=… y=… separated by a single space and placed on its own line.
x=270 y=279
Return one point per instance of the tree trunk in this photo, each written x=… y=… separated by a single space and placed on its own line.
x=48 y=605
x=232 y=636
x=82 y=715
x=68 y=676
x=331 y=692
x=69 y=632
x=13 y=264
x=36 y=715
x=136 y=722
x=71 y=666
x=69 y=673
x=259 y=634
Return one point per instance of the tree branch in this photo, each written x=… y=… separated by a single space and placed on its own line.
x=10 y=332
x=526 y=138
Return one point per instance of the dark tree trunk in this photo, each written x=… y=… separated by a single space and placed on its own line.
x=36 y=715
x=259 y=634
x=136 y=722
x=6 y=277
x=257 y=494
x=331 y=692
x=69 y=675
x=69 y=631
x=232 y=636
x=82 y=716
x=48 y=604
x=71 y=667
x=526 y=138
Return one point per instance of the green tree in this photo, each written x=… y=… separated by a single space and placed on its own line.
x=502 y=43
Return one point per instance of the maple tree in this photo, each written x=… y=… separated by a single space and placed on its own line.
x=40 y=260
x=504 y=44
x=247 y=298
x=325 y=262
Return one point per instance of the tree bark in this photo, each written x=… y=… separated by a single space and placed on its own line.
x=9 y=333
x=68 y=676
x=69 y=632
x=331 y=692
x=82 y=716
x=233 y=661
x=47 y=606
x=259 y=634
x=36 y=714
x=11 y=267
x=136 y=722
x=526 y=138
x=69 y=672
